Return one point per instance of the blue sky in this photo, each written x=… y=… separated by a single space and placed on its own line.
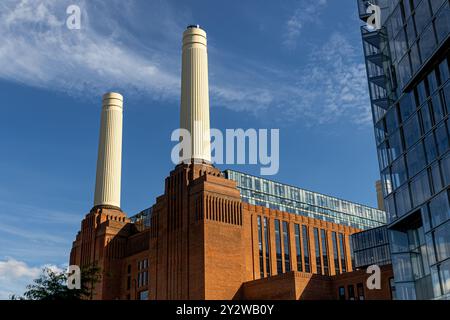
x=292 y=65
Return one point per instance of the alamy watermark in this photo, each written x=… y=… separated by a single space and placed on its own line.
x=73 y=21
x=374 y=20
x=237 y=142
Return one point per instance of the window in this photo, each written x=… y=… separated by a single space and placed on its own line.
x=398 y=173
x=403 y=200
x=341 y=293
x=444 y=273
x=407 y=106
x=426 y=118
x=439 y=209
x=278 y=247
x=287 y=260
x=298 y=247
x=420 y=188
x=342 y=252
x=443 y=22
x=430 y=148
x=416 y=159
x=266 y=242
x=427 y=42
x=392 y=287
x=305 y=236
x=444 y=71
x=326 y=268
x=422 y=15
x=360 y=290
x=442 y=138
x=421 y=92
x=411 y=131
x=437 y=107
x=395 y=144
x=436 y=177
x=319 y=269
x=442 y=241
x=335 y=252
x=143 y=295
x=392 y=120
x=260 y=246
x=351 y=292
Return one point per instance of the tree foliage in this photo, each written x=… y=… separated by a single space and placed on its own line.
x=51 y=285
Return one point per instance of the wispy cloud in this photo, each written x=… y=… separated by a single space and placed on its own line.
x=330 y=86
x=37 y=49
x=15 y=275
x=306 y=12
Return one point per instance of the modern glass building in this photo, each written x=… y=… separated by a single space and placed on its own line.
x=370 y=247
x=275 y=195
x=407 y=64
x=142 y=219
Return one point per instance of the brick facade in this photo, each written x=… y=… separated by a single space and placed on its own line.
x=204 y=243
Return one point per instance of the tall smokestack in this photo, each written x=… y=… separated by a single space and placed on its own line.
x=195 y=93
x=109 y=162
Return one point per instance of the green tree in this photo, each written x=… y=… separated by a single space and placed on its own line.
x=51 y=285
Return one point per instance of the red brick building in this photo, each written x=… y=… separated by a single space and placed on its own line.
x=203 y=242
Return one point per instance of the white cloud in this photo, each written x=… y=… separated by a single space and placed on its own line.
x=306 y=12
x=331 y=86
x=15 y=275
x=38 y=50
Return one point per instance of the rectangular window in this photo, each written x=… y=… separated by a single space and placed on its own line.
x=351 y=292
x=298 y=248
x=266 y=242
x=260 y=246
x=335 y=253
x=360 y=289
x=341 y=293
x=287 y=258
x=278 y=246
x=326 y=268
x=342 y=252
x=319 y=269
x=305 y=236
x=439 y=209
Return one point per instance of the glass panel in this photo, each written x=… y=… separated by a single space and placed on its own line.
x=439 y=209
x=319 y=269
x=395 y=145
x=305 y=236
x=443 y=22
x=403 y=200
x=326 y=268
x=342 y=250
x=427 y=43
x=298 y=248
x=437 y=108
x=442 y=138
x=436 y=175
x=407 y=106
x=442 y=241
x=260 y=246
x=430 y=148
x=278 y=246
x=422 y=15
x=426 y=117
x=420 y=188
x=398 y=173
x=411 y=131
x=401 y=264
x=416 y=159
x=286 y=247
